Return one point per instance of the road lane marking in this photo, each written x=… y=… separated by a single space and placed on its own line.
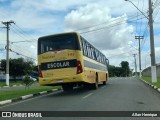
x=109 y=83
x=103 y=87
x=87 y=95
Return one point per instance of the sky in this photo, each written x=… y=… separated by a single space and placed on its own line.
x=111 y=26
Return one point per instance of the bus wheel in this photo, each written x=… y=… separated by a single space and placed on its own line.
x=67 y=87
x=104 y=82
x=95 y=85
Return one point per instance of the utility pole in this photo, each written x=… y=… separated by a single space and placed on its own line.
x=7 y=24
x=153 y=63
x=152 y=54
x=139 y=38
x=134 y=55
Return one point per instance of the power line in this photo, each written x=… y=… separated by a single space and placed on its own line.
x=155 y=14
x=109 y=26
x=21 y=49
x=22 y=55
x=95 y=25
x=156 y=4
x=17 y=47
x=27 y=40
x=101 y=28
x=146 y=31
x=137 y=19
x=114 y=25
x=111 y=22
x=24 y=31
x=141 y=20
x=22 y=41
x=119 y=54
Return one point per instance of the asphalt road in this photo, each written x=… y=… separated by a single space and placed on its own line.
x=120 y=94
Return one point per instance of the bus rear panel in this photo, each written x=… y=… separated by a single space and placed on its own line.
x=59 y=59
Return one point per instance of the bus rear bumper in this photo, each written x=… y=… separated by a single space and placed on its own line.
x=61 y=80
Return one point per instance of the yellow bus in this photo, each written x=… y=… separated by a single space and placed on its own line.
x=67 y=59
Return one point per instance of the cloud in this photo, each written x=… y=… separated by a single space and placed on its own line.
x=112 y=35
x=157 y=51
x=55 y=5
x=110 y=31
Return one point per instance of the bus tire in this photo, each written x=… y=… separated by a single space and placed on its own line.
x=104 y=82
x=67 y=87
x=95 y=85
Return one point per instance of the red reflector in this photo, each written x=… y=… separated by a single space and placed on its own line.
x=39 y=71
x=79 y=67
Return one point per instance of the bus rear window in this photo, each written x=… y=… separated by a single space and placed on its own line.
x=58 y=42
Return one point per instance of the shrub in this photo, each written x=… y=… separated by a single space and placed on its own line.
x=27 y=81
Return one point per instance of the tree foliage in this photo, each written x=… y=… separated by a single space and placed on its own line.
x=125 y=67
x=122 y=71
x=18 y=67
x=27 y=81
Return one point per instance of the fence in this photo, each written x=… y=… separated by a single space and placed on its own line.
x=147 y=72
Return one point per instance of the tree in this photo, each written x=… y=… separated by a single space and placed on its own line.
x=3 y=65
x=122 y=71
x=125 y=67
x=111 y=70
x=29 y=66
x=27 y=81
x=18 y=67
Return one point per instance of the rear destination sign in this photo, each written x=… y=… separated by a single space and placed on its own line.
x=58 y=64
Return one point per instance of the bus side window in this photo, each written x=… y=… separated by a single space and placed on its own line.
x=89 y=51
x=84 y=48
x=97 y=54
x=42 y=48
x=103 y=60
x=92 y=53
x=107 y=63
x=83 y=45
x=100 y=57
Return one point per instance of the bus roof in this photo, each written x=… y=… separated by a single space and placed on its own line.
x=59 y=34
x=70 y=33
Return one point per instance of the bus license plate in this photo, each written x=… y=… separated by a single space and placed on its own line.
x=59 y=81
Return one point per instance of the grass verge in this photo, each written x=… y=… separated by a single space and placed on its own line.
x=11 y=83
x=11 y=94
x=148 y=79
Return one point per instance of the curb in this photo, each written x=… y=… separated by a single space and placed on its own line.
x=154 y=87
x=27 y=97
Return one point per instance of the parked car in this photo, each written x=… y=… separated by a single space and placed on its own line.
x=34 y=79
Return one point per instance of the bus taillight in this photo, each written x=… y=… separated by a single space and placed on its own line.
x=39 y=71
x=79 y=67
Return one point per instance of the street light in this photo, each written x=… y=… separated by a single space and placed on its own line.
x=137 y=8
